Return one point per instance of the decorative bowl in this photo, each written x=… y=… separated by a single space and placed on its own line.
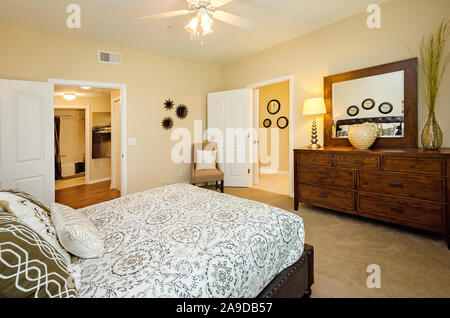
x=363 y=136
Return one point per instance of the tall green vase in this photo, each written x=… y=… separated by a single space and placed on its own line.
x=432 y=134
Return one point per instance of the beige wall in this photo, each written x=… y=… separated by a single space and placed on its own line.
x=344 y=46
x=31 y=55
x=98 y=168
x=279 y=91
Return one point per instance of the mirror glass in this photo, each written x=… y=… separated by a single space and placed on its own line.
x=273 y=107
x=376 y=99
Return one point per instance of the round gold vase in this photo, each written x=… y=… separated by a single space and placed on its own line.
x=432 y=137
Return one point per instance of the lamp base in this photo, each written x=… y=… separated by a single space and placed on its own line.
x=314 y=139
x=315 y=146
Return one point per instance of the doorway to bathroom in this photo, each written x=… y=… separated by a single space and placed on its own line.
x=71 y=146
x=88 y=143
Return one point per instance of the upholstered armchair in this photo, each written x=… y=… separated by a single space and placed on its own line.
x=209 y=175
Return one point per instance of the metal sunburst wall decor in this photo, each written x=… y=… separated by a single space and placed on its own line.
x=168 y=104
x=167 y=123
x=182 y=111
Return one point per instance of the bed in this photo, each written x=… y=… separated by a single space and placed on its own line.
x=181 y=241
x=392 y=127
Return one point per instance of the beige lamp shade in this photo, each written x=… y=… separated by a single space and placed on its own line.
x=314 y=106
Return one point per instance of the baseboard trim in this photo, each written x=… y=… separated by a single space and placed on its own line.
x=98 y=180
x=272 y=171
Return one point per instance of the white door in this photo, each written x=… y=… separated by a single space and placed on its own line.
x=27 y=138
x=228 y=112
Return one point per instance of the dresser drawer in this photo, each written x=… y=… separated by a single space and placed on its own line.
x=326 y=176
x=323 y=160
x=415 y=187
x=327 y=197
x=422 y=214
x=415 y=165
x=357 y=162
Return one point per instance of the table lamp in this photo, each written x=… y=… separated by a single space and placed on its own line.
x=314 y=107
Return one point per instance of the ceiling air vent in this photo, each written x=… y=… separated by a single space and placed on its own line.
x=109 y=57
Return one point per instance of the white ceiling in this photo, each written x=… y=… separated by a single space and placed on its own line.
x=80 y=92
x=115 y=22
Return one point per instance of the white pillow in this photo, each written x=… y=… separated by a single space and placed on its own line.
x=34 y=216
x=76 y=232
x=206 y=160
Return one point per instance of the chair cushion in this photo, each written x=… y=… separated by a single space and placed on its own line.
x=200 y=176
x=29 y=265
x=206 y=159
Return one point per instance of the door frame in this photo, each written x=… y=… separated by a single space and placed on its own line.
x=123 y=118
x=287 y=78
x=113 y=146
x=87 y=144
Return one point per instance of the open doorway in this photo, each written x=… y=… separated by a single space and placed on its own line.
x=273 y=120
x=71 y=146
x=88 y=144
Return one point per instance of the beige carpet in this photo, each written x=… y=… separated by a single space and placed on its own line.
x=277 y=183
x=413 y=263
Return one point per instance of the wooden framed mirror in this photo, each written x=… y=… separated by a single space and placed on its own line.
x=384 y=94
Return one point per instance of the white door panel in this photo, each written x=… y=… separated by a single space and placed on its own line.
x=228 y=112
x=26 y=138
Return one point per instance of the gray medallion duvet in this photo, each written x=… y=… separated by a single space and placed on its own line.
x=184 y=241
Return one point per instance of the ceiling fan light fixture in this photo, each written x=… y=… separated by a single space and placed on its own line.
x=206 y=23
x=192 y=26
x=201 y=24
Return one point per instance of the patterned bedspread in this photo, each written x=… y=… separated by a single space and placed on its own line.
x=184 y=241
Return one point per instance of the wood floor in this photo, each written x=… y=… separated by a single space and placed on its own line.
x=85 y=195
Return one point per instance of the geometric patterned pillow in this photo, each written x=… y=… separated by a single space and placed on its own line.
x=32 y=215
x=29 y=265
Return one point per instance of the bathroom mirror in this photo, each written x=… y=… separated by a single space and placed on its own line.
x=385 y=95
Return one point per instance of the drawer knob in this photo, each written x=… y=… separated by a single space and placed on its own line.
x=322 y=176
x=396 y=185
x=355 y=162
x=397 y=209
x=323 y=195
x=412 y=166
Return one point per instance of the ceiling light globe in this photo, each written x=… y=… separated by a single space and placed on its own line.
x=69 y=96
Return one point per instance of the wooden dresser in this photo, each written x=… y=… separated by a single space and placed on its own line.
x=410 y=187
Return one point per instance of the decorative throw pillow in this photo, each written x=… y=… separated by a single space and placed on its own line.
x=206 y=160
x=388 y=132
x=29 y=265
x=33 y=215
x=76 y=232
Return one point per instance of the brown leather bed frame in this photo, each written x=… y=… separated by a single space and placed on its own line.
x=295 y=281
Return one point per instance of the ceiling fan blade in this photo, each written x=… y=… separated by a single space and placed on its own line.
x=165 y=15
x=233 y=19
x=220 y=3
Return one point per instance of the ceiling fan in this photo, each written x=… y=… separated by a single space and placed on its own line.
x=205 y=11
